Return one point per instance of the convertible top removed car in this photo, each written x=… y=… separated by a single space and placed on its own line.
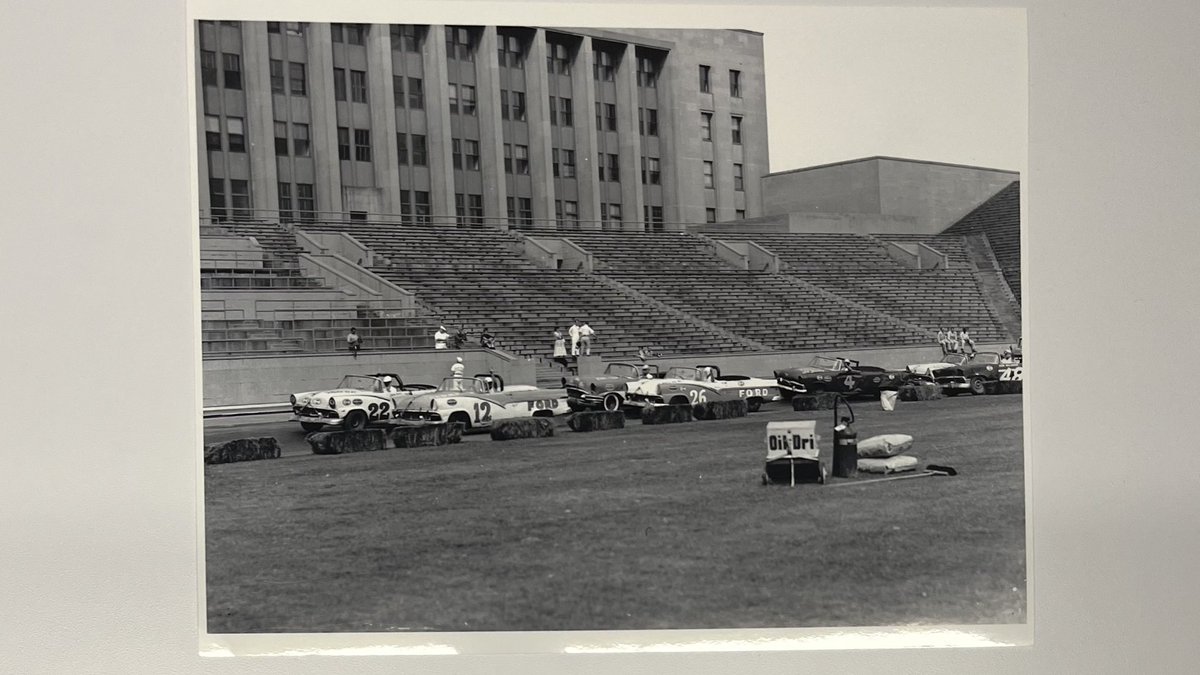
x=358 y=400
x=838 y=375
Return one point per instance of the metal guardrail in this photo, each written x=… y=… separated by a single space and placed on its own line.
x=246 y=410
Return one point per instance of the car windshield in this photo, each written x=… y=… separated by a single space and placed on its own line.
x=955 y=359
x=682 y=373
x=361 y=383
x=827 y=363
x=986 y=357
x=623 y=370
x=462 y=384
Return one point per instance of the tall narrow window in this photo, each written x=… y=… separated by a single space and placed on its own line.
x=571 y=212
x=471 y=155
x=401 y=148
x=740 y=214
x=356 y=33
x=467 y=99
x=508 y=158
x=566 y=116
x=458 y=44
x=362 y=145
x=651 y=174
x=521 y=160
x=737 y=178
x=610 y=116
x=706 y=126
x=735 y=125
x=216 y=198
x=421 y=206
x=277 y=76
x=405 y=207
x=710 y=215
x=237 y=134
x=285 y=203
x=475 y=209
x=343 y=135
x=305 y=202
x=456 y=153
x=602 y=65
x=239 y=198
x=358 y=86
x=405 y=38
x=554 y=161
x=705 y=80
x=208 y=68
x=416 y=93
x=233 y=71
x=525 y=210
x=335 y=32
x=452 y=90
x=518 y=106
x=301 y=145
x=281 y=139
x=708 y=174
x=646 y=75
x=553 y=111
x=339 y=84
x=568 y=163
x=212 y=132
x=735 y=83
x=419 y=154
x=297 y=79
x=614 y=169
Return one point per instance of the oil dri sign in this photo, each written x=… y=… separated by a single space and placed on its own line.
x=793 y=439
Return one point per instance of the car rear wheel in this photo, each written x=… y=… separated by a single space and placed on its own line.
x=356 y=420
x=753 y=404
x=612 y=402
x=977 y=386
x=311 y=426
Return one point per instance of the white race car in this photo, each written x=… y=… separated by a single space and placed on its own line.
x=924 y=371
x=357 y=401
x=478 y=404
x=688 y=386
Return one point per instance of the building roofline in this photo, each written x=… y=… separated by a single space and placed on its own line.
x=613 y=35
x=892 y=159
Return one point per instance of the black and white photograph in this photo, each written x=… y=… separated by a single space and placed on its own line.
x=553 y=328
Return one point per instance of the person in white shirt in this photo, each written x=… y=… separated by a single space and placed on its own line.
x=440 y=338
x=573 y=331
x=968 y=345
x=560 y=347
x=585 y=339
x=456 y=371
x=389 y=385
x=354 y=341
x=941 y=338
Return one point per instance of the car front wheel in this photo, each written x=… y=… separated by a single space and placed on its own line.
x=356 y=420
x=612 y=402
x=977 y=387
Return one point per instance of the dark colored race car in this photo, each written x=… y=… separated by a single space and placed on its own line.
x=838 y=375
x=975 y=372
x=607 y=391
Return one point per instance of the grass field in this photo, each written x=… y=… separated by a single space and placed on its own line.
x=643 y=528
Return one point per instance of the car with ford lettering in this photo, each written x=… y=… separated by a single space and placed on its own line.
x=356 y=402
x=975 y=372
x=839 y=375
x=682 y=385
x=478 y=405
x=607 y=391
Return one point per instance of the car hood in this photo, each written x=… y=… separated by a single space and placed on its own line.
x=925 y=368
x=803 y=370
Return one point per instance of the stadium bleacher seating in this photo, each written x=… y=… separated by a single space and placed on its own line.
x=999 y=219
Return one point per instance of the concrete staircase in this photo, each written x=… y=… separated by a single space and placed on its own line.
x=993 y=285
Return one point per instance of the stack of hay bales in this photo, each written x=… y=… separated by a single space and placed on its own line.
x=342 y=442
x=666 y=414
x=920 y=391
x=720 y=410
x=241 y=450
x=531 y=427
x=427 y=436
x=599 y=420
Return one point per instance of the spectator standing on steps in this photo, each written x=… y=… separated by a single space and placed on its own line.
x=440 y=337
x=585 y=339
x=487 y=340
x=354 y=341
x=560 y=348
x=573 y=331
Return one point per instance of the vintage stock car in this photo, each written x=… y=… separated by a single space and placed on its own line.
x=688 y=386
x=838 y=375
x=607 y=391
x=357 y=401
x=478 y=405
x=975 y=372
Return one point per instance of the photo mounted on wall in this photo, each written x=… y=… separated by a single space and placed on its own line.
x=525 y=328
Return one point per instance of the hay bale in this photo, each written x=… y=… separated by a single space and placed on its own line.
x=720 y=410
x=530 y=427
x=342 y=442
x=666 y=414
x=430 y=435
x=822 y=401
x=451 y=432
x=597 y=421
x=241 y=450
x=1003 y=387
x=923 y=391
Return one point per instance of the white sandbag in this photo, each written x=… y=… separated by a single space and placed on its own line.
x=887 y=445
x=888 y=464
x=887 y=399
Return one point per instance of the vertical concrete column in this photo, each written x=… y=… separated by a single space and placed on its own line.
x=383 y=118
x=537 y=93
x=630 y=142
x=437 y=116
x=491 y=128
x=201 y=139
x=324 y=121
x=670 y=145
x=260 y=120
x=722 y=133
x=583 y=90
